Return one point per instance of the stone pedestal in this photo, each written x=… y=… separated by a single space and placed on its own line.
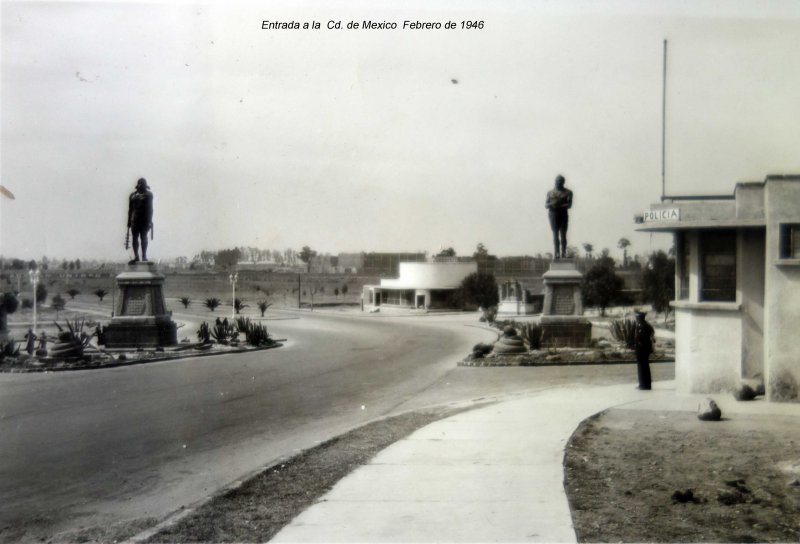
x=141 y=318
x=562 y=324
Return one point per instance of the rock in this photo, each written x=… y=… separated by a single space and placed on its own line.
x=709 y=411
x=683 y=496
x=729 y=498
x=744 y=392
x=749 y=389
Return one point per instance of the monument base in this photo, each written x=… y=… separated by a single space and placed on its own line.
x=141 y=319
x=565 y=332
x=140 y=334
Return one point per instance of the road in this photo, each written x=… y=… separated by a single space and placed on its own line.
x=100 y=447
x=96 y=447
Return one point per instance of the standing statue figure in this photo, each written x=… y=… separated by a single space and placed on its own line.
x=30 y=342
x=559 y=201
x=140 y=218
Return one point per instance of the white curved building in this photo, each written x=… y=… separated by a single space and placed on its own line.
x=428 y=285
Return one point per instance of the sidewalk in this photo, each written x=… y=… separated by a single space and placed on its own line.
x=485 y=475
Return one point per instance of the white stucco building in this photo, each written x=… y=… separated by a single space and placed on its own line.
x=737 y=286
x=421 y=285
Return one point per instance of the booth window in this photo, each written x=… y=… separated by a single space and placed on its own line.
x=684 y=258
x=790 y=241
x=718 y=266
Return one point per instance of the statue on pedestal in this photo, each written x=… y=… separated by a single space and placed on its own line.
x=559 y=201
x=140 y=218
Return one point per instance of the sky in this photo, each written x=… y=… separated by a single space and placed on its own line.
x=378 y=139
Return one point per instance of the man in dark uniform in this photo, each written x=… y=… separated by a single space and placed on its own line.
x=140 y=217
x=643 y=344
x=559 y=200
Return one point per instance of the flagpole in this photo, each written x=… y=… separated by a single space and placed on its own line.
x=664 y=124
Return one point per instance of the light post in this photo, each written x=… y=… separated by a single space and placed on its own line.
x=234 y=278
x=34 y=276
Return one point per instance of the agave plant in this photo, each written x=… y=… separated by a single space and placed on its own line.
x=72 y=341
x=224 y=332
x=624 y=330
x=255 y=333
x=531 y=334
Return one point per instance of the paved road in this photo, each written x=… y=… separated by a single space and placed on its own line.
x=96 y=447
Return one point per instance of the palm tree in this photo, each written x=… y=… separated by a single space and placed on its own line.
x=239 y=305
x=100 y=293
x=588 y=248
x=73 y=293
x=263 y=305
x=212 y=303
x=623 y=245
x=185 y=301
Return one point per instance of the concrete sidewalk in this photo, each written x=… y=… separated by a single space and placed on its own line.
x=493 y=474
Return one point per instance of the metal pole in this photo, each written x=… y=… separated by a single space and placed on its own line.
x=234 y=278
x=664 y=124
x=298 y=291
x=34 y=275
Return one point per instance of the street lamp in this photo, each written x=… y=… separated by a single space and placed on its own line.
x=234 y=278
x=34 y=276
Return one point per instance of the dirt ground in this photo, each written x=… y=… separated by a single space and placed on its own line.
x=624 y=467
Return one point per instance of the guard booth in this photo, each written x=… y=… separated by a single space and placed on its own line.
x=737 y=286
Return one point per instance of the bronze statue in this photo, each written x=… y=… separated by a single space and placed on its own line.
x=559 y=201
x=140 y=218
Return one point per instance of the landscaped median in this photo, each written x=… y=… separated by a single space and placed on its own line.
x=522 y=344
x=76 y=349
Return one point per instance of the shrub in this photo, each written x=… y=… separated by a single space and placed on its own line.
x=41 y=293
x=73 y=293
x=478 y=289
x=624 y=330
x=489 y=314
x=8 y=349
x=58 y=303
x=255 y=333
x=204 y=333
